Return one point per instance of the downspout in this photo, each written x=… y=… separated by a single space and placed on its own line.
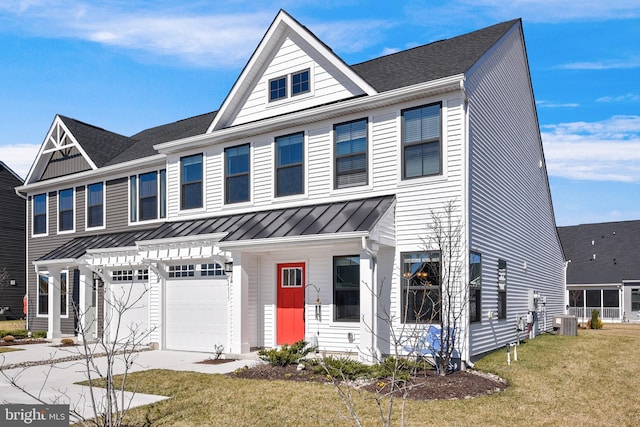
x=467 y=214
x=374 y=300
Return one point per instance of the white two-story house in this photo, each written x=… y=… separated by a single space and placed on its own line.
x=302 y=207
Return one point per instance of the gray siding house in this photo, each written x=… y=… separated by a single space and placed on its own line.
x=603 y=270
x=306 y=206
x=12 y=246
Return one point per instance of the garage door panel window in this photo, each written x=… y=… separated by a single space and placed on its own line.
x=212 y=269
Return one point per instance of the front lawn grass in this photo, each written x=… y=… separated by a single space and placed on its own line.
x=557 y=381
x=8 y=349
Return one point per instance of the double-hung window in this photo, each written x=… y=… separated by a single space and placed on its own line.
x=237 y=174
x=635 y=299
x=502 y=289
x=191 y=182
x=475 y=287
x=95 y=205
x=65 y=210
x=43 y=294
x=148 y=196
x=351 y=154
x=346 y=288
x=40 y=214
x=64 y=289
x=421 y=287
x=290 y=164
x=421 y=141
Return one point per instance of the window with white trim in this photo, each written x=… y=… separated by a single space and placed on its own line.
x=300 y=82
x=191 y=182
x=64 y=293
x=290 y=164
x=129 y=275
x=421 y=142
x=148 y=196
x=66 y=217
x=43 y=294
x=40 y=214
x=351 y=154
x=236 y=174
x=95 y=205
x=291 y=277
x=278 y=88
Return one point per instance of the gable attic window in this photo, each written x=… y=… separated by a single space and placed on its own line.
x=148 y=196
x=300 y=82
x=278 y=88
x=191 y=182
x=351 y=154
x=290 y=164
x=65 y=210
x=40 y=214
x=421 y=141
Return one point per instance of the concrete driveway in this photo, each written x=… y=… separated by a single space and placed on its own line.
x=53 y=379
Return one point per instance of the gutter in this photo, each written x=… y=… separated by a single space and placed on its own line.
x=329 y=111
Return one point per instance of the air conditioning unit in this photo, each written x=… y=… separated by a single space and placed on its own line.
x=565 y=324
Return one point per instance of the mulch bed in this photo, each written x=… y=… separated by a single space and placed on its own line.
x=426 y=385
x=216 y=361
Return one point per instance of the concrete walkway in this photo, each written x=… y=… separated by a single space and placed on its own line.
x=53 y=379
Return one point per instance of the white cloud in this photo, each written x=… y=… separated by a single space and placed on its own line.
x=200 y=38
x=547 y=104
x=19 y=157
x=607 y=150
x=629 y=97
x=614 y=64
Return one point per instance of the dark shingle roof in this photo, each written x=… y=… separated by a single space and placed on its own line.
x=421 y=64
x=145 y=140
x=100 y=145
x=431 y=61
x=616 y=246
x=326 y=218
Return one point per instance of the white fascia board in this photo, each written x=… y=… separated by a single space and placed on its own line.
x=593 y=285
x=294 y=240
x=106 y=171
x=182 y=240
x=121 y=250
x=329 y=111
x=64 y=262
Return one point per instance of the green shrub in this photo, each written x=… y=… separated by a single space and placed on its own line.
x=39 y=334
x=595 y=322
x=401 y=368
x=17 y=333
x=287 y=354
x=341 y=368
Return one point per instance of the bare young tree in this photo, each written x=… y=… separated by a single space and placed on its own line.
x=102 y=358
x=430 y=320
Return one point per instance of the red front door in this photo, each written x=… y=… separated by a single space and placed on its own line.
x=290 y=315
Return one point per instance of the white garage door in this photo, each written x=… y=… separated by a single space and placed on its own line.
x=130 y=302
x=196 y=314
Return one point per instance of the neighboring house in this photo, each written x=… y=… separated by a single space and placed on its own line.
x=13 y=284
x=603 y=270
x=300 y=208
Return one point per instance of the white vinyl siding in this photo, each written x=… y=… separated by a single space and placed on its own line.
x=293 y=56
x=509 y=196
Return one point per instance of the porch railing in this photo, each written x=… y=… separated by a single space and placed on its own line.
x=606 y=313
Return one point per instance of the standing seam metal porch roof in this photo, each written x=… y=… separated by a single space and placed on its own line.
x=326 y=218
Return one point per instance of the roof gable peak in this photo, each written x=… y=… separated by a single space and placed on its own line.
x=249 y=98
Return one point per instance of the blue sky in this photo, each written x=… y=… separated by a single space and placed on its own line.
x=129 y=65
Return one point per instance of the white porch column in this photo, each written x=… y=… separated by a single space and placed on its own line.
x=86 y=314
x=53 y=327
x=369 y=349
x=239 y=306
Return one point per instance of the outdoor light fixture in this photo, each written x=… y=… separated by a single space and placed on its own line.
x=228 y=267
